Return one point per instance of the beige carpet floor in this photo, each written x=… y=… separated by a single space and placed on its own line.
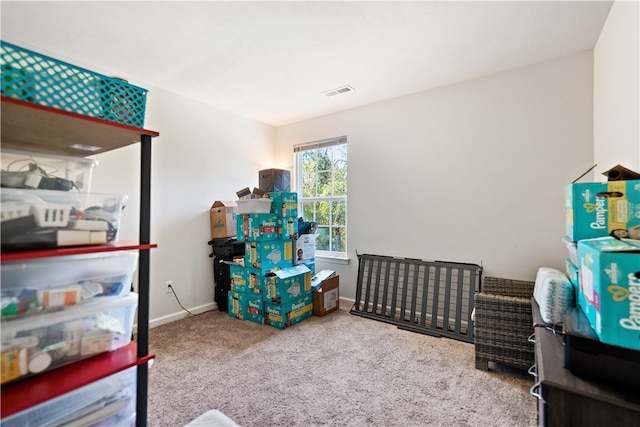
x=336 y=370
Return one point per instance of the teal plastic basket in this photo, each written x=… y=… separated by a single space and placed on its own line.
x=40 y=79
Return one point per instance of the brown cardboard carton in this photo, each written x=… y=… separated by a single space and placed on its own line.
x=327 y=298
x=223 y=218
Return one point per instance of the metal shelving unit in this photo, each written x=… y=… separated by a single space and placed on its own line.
x=40 y=129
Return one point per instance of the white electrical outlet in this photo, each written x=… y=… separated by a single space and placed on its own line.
x=167 y=286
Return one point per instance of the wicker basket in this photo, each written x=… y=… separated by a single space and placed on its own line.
x=503 y=323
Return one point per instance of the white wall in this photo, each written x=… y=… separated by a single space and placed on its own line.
x=202 y=154
x=473 y=172
x=617 y=90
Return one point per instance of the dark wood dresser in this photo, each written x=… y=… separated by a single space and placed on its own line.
x=568 y=400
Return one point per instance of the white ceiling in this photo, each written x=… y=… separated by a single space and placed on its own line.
x=271 y=61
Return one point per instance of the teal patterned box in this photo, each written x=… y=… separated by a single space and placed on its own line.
x=609 y=292
x=238 y=278
x=257 y=227
x=287 y=284
x=287 y=228
x=237 y=305
x=571 y=270
x=285 y=204
x=598 y=209
x=282 y=316
x=255 y=281
x=255 y=308
x=268 y=256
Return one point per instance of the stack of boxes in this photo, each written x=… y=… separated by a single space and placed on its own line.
x=269 y=288
x=603 y=238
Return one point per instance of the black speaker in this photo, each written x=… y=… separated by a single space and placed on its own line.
x=274 y=180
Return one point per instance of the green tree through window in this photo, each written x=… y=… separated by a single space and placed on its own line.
x=321 y=177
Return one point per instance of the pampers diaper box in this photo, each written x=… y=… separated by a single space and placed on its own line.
x=283 y=315
x=269 y=256
x=609 y=292
x=238 y=278
x=237 y=304
x=257 y=227
x=255 y=308
x=285 y=204
x=595 y=209
x=286 y=284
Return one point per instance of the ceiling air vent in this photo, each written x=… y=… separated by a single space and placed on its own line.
x=338 y=91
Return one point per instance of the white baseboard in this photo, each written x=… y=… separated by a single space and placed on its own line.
x=347 y=302
x=344 y=302
x=181 y=314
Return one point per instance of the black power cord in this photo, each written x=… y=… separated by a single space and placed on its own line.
x=181 y=306
x=179 y=303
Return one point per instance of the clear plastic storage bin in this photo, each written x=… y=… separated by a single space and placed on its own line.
x=46 y=172
x=110 y=401
x=35 y=344
x=33 y=219
x=254 y=206
x=47 y=284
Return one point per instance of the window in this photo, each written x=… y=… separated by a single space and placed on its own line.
x=321 y=182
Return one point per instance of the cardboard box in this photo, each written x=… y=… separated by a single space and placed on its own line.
x=327 y=298
x=255 y=309
x=286 y=284
x=237 y=304
x=609 y=292
x=238 y=278
x=305 y=249
x=269 y=256
x=312 y=267
x=244 y=194
x=285 y=204
x=572 y=249
x=572 y=273
x=223 y=218
x=270 y=180
x=595 y=209
x=255 y=280
x=257 y=227
x=287 y=228
x=283 y=315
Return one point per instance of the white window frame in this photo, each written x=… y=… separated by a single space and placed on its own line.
x=298 y=176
